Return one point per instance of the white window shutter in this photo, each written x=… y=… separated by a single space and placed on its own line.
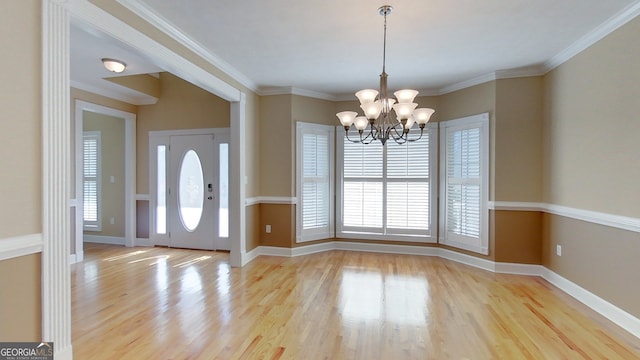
x=465 y=167
x=91 y=181
x=314 y=177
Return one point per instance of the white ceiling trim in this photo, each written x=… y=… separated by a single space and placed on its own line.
x=168 y=28
x=137 y=99
x=606 y=28
x=289 y=90
x=609 y=26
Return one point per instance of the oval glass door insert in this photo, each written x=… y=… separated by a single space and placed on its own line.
x=191 y=191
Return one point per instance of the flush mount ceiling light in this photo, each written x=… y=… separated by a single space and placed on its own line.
x=113 y=65
x=377 y=107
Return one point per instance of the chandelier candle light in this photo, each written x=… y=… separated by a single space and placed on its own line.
x=377 y=108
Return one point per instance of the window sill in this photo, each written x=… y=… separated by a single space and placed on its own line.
x=379 y=237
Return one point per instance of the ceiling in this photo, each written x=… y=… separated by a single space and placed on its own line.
x=334 y=48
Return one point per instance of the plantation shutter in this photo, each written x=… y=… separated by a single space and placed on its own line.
x=91 y=180
x=465 y=183
x=315 y=194
x=408 y=186
x=362 y=186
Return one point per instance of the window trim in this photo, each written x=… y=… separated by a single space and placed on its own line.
x=324 y=232
x=475 y=121
x=431 y=131
x=87 y=225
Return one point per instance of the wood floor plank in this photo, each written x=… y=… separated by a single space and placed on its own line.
x=159 y=303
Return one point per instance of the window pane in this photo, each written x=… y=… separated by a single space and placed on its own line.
x=463 y=187
x=191 y=190
x=463 y=153
x=90 y=156
x=463 y=209
x=90 y=194
x=315 y=188
x=408 y=205
x=363 y=204
x=161 y=183
x=315 y=209
x=91 y=180
x=409 y=159
x=223 y=211
x=362 y=160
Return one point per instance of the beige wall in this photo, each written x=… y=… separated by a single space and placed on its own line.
x=592 y=127
x=591 y=157
x=20 y=159
x=20 y=305
x=181 y=106
x=276 y=146
x=518 y=140
x=112 y=135
x=20 y=104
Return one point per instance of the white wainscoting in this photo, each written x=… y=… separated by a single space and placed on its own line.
x=270 y=200
x=17 y=246
x=596 y=217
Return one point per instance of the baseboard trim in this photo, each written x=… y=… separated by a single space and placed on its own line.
x=618 y=316
x=17 y=246
x=144 y=242
x=249 y=256
x=99 y=239
x=519 y=269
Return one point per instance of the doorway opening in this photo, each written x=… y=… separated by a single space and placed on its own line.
x=100 y=194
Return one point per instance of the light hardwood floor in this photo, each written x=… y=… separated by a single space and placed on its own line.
x=158 y=303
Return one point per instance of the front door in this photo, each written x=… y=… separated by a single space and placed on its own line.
x=192 y=210
x=198 y=192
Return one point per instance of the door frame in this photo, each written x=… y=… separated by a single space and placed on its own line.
x=163 y=137
x=129 y=172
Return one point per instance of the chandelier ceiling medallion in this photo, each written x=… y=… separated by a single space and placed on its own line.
x=377 y=124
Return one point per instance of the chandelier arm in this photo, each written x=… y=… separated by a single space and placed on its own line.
x=395 y=129
x=419 y=137
x=353 y=141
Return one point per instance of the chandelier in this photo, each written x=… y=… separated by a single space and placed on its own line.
x=377 y=122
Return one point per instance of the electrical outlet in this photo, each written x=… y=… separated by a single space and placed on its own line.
x=268 y=229
x=559 y=250
x=112 y=221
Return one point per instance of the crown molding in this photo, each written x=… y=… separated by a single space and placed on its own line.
x=612 y=24
x=290 y=90
x=467 y=83
x=149 y=15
